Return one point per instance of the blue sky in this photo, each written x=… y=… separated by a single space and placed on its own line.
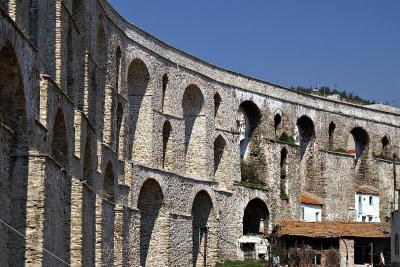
x=353 y=44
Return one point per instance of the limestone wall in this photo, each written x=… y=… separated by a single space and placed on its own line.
x=93 y=110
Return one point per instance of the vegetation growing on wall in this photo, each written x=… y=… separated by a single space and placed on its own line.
x=287 y=138
x=325 y=91
x=246 y=263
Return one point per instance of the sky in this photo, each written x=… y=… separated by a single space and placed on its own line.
x=351 y=45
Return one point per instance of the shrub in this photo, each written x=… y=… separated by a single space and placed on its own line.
x=248 y=171
x=287 y=138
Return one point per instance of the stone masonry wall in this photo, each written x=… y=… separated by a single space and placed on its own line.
x=84 y=92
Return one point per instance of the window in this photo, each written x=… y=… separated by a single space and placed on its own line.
x=396 y=244
x=370 y=218
x=317 y=216
x=302 y=214
x=370 y=201
x=363 y=218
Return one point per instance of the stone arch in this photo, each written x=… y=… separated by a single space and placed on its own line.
x=220 y=161
x=204 y=223
x=118 y=137
x=277 y=123
x=165 y=82
x=331 y=134
x=33 y=21
x=217 y=103
x=283 y=171
x=78 y=12
x=101 y=47
x=306 y=136
x=256 y=217
x=4 y=5
x=93 y=93
x=154 y=232
x=139 y=103
x=108 y=214
x=385 y=146
x=358 y=142
x=70 y=65
x=195 y=123
x=118 y=56
x=249 y=118
x=14 y=144
x=168 y=147
x=59 y=145
x=89 y=206
x=108 y=191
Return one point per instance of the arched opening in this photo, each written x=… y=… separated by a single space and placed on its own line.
x=118 y=56
x=89 y=207
x=120 y=115
x=59 y=147
x=249 y=117
x=93 y=100
x=217 y=103
x=167 y=160
x=70 y=65
x=138 y=81
x=4 y=5
x=306 y=134
x=153 y=225
x=108 y=184
x=101 y=52
x=57 y=221
x=33 y=21
x=220 y=164
x=357 y=143
x=256 y=218
x=277 y=122
x=78 y=13
x=205 y=226
x=14 y=163
x=385 y=146
x=332 y=127
x=165 y=82
x=108 y=214
x=192 y=104
x=283 y=171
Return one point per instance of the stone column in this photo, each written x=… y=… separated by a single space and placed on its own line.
x=35 y=211
x=99 y=231
x=118 y=234
x=180 y=240
x=131 y=238
x=76 y=222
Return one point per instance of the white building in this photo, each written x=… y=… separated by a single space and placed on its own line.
x=311 y=208
x=367 y=204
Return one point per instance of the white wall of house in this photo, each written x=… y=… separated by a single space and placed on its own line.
x=310 y=213
x=367 y=208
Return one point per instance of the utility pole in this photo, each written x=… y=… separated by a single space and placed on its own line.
x=205 y=232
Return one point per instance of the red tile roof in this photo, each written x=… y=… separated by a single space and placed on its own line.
x=310 y=199
x=331 y=229
x=367 y=189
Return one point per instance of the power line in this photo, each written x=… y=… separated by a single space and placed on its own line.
x=45 y=250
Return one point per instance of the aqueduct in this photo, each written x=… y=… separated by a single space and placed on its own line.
x=118 y=149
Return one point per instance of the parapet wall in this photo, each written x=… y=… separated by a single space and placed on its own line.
x=117 y=147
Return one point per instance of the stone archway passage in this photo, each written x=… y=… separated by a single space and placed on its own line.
x=256 y=212
x=14 y=163
x=154 y=226
x=204 y=231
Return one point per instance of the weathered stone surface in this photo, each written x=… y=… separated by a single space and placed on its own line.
x=114 y=151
